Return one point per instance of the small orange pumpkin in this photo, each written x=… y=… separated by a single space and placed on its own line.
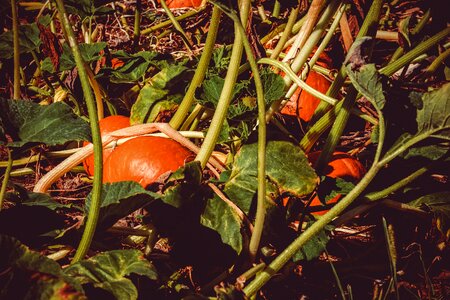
x=341 y=165
x=107 y=125
x=144 y=159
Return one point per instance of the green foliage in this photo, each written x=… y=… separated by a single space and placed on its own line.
x=154 y=97
x=118 y=200
x=54 y=124
x=287 y=170
x=332 y=187
x=109 y=270
x=88 y=8
x=42 y=277
x=314 y=247
x=438 y=205
x=219 y=216
x=28 y=39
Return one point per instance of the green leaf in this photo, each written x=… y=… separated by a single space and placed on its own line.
x=314 y=247
x=332 y=187
x=35 y=199
x=90 y=53
x=287 y=170
x=135 y=67
x=54 y=124
x=433 y=121
x=368 y=82
x=167 y=75
x=28 y=39
x=434 y=116
x=439 y=205
x=219 y=216
x=183 y=186
x=118 y=200
x=212 y=88
x=88 y=8
x=42 y=277
x=273 y=85
x=147 y=98
x=109 y=271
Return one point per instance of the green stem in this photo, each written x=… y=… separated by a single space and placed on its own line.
x=374 y=196
x=169 y=22
x=226 y=94
x=200 y=72
x=437 y=62
x=261 y=196
x=6 y=178
x=276 y=9
x=369 y=27
x=137 y=22
x=177 y=25
x=94 y=210
x=16 y=45
x=286 y=33
x=319 y=127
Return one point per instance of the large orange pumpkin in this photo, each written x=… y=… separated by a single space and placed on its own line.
x=341 y=165
x=182 y=3
x=107 y=125
x=144 y=159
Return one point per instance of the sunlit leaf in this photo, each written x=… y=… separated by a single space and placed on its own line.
x=109 y=271
x=54 y=124
x=287 y=170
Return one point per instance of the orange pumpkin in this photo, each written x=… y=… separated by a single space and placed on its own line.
x=144 y=159
x=107 y=125
x=182 y=3
x=341 y=165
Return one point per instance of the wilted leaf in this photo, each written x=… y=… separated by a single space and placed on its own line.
x=54 y=124
x=439 y=205
x=108 y=271
x=42 y=277
x=118 y=200
x=287 y=170
x=220 y=217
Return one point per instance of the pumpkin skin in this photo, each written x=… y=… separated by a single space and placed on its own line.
x=302 y=104
x=144 y=159
x=107 y=125
x=341 y=165
x=182 y=3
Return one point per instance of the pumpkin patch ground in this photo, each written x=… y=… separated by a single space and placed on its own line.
x=262 y=150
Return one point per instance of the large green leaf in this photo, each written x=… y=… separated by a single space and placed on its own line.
x=273 y=86
x=118 y=200
x=220 y=217
x=28 y=38
x=109 y=271
x=54 y=124
x=439 y=205
x=433 y=121
x=148 y=97
x=287 y=170
x=42 y=277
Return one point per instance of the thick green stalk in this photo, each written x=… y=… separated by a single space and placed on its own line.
x=306 y=50
x=169 y=22
x=370 y=27
x=6 y=178
x=177 y=25
x=319 y=127
x=16 y=45
x=286 y=33
x=94 y=210
x=227 y=91
x=137 y=22
x=261 y=196
x=200 y=72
